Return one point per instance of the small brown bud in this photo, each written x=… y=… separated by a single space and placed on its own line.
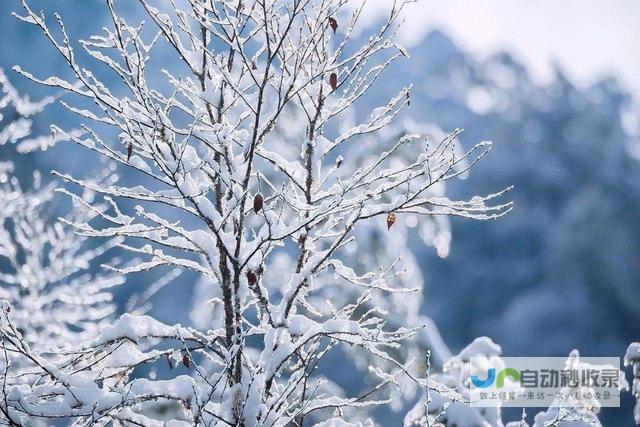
x=333 y=81
x=334 y=24
x=186 y=360
x=257 y=202
x=251 y=278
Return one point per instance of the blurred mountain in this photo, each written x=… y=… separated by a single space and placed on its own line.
x=562 y=270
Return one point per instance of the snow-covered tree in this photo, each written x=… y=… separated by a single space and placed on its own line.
x=50 y=297
x=45 y=276
x=373 y=247
x=47 y=281
x=254 y=173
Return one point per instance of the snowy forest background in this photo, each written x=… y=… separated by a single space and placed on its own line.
x=561 y=271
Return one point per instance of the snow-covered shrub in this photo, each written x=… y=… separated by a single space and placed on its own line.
x=278 y=222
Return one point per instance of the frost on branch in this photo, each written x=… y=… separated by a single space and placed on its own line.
x=252 y=172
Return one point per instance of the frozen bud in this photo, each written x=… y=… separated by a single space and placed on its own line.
x=333 y=24
x=257 y=203
x=186 y=359
x=333 y=81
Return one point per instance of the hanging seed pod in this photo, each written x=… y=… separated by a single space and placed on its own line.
x=170 y=362
x=333 y=81
x=186 y=360
x=129 y=151
x=391 y=219
x=251 y=278
x=257 y=203
x=334 y=24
